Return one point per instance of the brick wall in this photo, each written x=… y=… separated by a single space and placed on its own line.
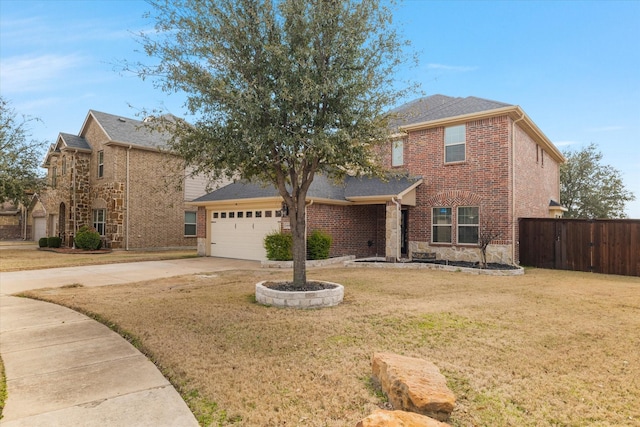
x=482 y=180
x=351 y=227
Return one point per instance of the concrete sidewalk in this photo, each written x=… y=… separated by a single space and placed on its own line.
x=64 y=369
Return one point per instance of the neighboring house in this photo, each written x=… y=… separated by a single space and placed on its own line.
x=11 y=221
x=115 y=176
x=476 y=164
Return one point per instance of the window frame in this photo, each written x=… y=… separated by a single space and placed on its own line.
x=447 y=144
x=193 y=224
x=99 y=226
x=101 y=164
x=441 y=225
x=460 y=224
x=397 y=153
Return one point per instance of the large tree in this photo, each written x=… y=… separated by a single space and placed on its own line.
x=280 y=90
x=590 y=189
x=19 y=156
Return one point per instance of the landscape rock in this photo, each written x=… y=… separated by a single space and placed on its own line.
x=399 y=419
x=413 y=385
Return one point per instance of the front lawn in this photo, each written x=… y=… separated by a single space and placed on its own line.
x=547 y=348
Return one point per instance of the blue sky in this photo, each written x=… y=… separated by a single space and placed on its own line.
x=573 y=66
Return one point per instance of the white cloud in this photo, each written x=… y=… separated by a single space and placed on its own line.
x=454 y=68
x=28 y=73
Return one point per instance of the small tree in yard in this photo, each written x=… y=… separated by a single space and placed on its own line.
x=590 y=189
x=280 y=90
x=488 y=231
x=19 y=156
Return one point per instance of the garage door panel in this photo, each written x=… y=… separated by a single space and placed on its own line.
x=241 y=237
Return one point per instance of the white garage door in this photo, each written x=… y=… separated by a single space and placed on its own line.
x=39 y=228
x=240 y=233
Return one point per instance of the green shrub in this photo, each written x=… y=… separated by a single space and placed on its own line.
x=279 y=246
x=54 y=242
x=87 y=238
x=318 y=245
x=43 y=242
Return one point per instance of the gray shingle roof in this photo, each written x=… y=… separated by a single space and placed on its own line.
x=321 y=188
x=74 y=141
x=436 y=107
x=130 y=131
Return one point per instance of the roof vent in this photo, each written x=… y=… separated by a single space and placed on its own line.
x=120 y=119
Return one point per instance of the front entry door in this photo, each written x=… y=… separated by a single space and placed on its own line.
x=404 y=232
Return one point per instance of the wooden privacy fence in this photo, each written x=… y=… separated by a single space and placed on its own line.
x=609 y=246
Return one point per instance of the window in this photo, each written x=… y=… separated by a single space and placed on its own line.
x=259 y=214
x=240 y=214
x=99 y=216
x=64 y=166
x=54 y=176
x=190 y=221
x=100 y=164
x=441 y=221
x=468 y=224
x=454 y=143
x=397 y=153
x=249 y=214
x=223 y=214
x=267 y=214
x=215 y=215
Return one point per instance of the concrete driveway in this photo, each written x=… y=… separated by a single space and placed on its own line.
x=113 y=274
x=64 y=369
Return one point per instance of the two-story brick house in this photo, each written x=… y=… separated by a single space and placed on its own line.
x=117 y=176
x=470 y=165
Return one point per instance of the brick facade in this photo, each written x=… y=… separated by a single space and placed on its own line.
x=356 y=230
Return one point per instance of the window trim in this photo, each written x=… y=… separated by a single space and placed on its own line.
x=194 y=224
x=459 y=225
x=456 y=143
x=397 y=153
x=97 y=223
x=434 y=225
x=101 y=164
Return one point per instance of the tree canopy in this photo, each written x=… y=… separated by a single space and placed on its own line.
x=279 y=89
x=590 y=189
x=19 y=156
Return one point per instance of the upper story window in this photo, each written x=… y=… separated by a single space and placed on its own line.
x=100 y=164
x=468 y=225
x=397 y=153
x=64 y=166
x=441 y=221
x=54 y=176
x=455 y=143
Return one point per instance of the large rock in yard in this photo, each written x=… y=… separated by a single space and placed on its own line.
x=399 y=419
x=413 y=385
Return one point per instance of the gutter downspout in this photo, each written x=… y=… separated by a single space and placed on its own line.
x=397 y=203
x=126 y=228
x=513 y=189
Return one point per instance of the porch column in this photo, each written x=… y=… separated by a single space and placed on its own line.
x=392 y=247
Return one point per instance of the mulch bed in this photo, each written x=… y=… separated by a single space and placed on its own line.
x=76 y=251
x=308 y=287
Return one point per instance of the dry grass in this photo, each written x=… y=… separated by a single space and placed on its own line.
x=548 y=348
x=33 y=259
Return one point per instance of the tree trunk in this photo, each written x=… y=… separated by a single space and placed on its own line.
x=298 y=220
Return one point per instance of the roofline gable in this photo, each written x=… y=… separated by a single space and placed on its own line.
x=513 y=111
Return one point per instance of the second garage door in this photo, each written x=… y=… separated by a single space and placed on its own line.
x=240 y=233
